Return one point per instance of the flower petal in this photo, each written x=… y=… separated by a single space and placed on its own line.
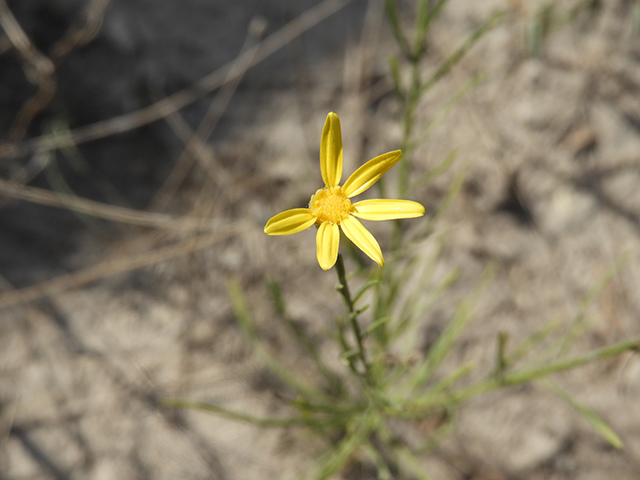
x=327 y=241
x=289 y=222
x=370 y=173
x=387 y=209
x=359 y=235
x=331 y=151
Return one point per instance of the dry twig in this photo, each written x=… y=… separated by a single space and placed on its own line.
x=102 y=210
x=196 y=142
x=181 y=99
x=81 y=33
x=38 y=69
x=119 y=264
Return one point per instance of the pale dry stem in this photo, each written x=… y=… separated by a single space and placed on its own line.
x=196 y=142
x=181 y=99
x=119 y=264
x=102 y=210
x=39 y=68
x=82 y=32
x=229 y=76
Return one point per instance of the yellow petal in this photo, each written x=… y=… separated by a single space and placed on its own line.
x=361 y=237
x=327 y=241
x=290 y=221
x=387 y=209
x=331 y=151
x=370 y=173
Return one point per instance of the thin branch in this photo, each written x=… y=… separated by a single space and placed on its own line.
x=81 y=33
x=38 y=68
x=181 y=99
x=196 y=144
x=120 y=264
x=101 y=210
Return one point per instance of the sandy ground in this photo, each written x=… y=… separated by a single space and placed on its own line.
x=551 y=148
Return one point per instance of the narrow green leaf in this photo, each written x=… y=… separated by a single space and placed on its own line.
x=580 y=323
x=232 y=414
x=635 y=19
x=589 y=415
x=245 y=320
x=453 y=192
x=348 y=356
x=375 y=325
x=426 y=399
x=528 y=375
x=501 y=360
x=455 y=57
x=307 y=344
x=426 y=15
x=562 y=365
x=405 y=457
x=450 y=335
x=439 y=435
x=394 y=68
x=337 y=458
x=362 y=290
x=531 y=342
x=396 y=28
x=383 y=471
x=422 y=300
x=435 y=172
x=357 y=312
x=444 y=111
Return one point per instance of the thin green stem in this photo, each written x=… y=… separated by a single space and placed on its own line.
x=523 y=376
x=245 y=320
x=301 y=337
x=598 y=354
x=396 y=28
x=346 y=349
x=352 y=313
x=409 y=105
x=224 y=412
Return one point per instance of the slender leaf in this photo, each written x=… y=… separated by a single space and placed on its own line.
x=455 y=57
x=589 y=415
x=435 y=172
x=426 y=15
x=242 y=314
x=447 y=339
x=332 y=462
x=362 y=290
x=396 y=28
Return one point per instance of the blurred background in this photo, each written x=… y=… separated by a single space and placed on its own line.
x=144 y=144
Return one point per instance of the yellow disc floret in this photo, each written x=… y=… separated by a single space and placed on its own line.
x=329 y=204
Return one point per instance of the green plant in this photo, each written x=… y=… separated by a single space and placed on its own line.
x=385 y=378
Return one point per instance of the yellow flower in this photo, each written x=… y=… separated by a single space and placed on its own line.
x=330 y=208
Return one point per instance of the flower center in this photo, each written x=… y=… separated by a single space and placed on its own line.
x=330 y=205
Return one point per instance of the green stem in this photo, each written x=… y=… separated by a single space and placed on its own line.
x=302 y=338
x=394 y=21
x=517 y=378
x=352 y=313
x=224 y=412
x=598 y=354
x=409 y=108
x=410 y=103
